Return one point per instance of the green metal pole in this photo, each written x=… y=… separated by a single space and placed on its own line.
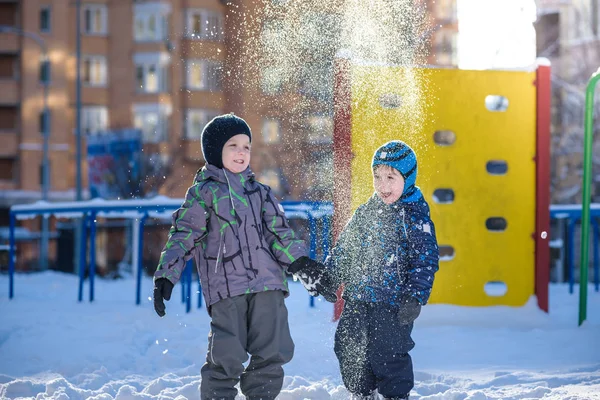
x=585 y=203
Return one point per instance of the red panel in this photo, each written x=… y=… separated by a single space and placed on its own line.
x=342 y=155
x=542 y=220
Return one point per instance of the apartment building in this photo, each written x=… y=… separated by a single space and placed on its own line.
x=167 y=67
x=444 y=36
x=568 y=34
x=153 y=65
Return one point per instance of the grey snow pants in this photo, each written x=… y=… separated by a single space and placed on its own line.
x=255 y=324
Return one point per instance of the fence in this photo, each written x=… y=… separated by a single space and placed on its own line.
x=140 y=210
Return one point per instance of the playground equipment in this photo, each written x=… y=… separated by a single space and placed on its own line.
x=483 y=143
x=567 y=216
x=587 y=182
x=140 y=210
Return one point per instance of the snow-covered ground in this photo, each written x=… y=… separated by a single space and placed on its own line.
x=52 y=347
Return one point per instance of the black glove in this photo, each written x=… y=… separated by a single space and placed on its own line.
x=410 y=308
x=303 y=263
x=314 y=277
x=162 y=290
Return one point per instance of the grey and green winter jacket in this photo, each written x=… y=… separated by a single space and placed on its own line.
x=237 y=232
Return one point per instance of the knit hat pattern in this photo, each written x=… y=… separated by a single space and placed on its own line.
x=401 y=157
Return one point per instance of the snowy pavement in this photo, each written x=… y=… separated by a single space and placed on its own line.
x=52 y=347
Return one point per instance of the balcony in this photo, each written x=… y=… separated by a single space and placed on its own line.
x=10 y=143
x=9 y=91
x=9 y=130
x=9 y=43
x=192 y=150
x=9 y=17
x=9 y=13
x=8 y=185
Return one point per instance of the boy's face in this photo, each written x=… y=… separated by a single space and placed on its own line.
x=388 y=183
x=236 y=153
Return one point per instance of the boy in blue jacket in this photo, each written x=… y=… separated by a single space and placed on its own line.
x=386 y=257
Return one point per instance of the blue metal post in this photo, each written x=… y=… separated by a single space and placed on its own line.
x=325 y=239
x=82 y=254
x=78 y=187
x=188 y=273
x=92 y=222
x=140 y=266
x=563 y=224
x=596 y=253
x=11 y=256
x=199 y=292
x=571 y=255
x=183 y=282
x=325 y=236
x=312 y=226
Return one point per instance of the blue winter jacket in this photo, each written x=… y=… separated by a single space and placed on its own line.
x=386 y=252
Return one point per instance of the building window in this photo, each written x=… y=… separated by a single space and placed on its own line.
x=446 y=47
x=150 y=78
x=44 y=122
x=204 y=75
x=95 y=17
x=594 y=13
x=196 y=120
x=153 y=121
x=9 y=117
x=94 y=120
x=9 y=66
x=150 y=27
x=319 y=174
x=151 y=72
x=270 y=131
x=145 y=28
x=151 y=21
x=44 y=70
x=320 y=129
x=446 y=10
x=7 y=169
x=204 y=25
x=272 y=178
x=45 y=24
x=93 y=70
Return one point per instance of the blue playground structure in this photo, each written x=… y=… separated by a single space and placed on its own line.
x=567 y=217
x=140 y=210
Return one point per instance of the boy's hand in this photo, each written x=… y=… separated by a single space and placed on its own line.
x=314 y=278
x=162 y=290
x=410 y=308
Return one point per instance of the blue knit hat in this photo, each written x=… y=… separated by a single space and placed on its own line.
x=401 y=157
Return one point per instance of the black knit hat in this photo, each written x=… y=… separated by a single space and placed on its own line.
x=217 y=132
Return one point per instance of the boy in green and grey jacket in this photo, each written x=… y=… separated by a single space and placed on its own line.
x=237 y=232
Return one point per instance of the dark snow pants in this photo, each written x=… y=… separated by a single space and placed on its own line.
x=372 y=342
x=253 y=323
